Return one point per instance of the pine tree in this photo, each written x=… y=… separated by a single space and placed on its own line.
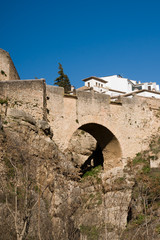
x=62 y=80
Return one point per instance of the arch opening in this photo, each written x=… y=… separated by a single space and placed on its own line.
x=105 y=151
x=102 y=134
x=94 y=160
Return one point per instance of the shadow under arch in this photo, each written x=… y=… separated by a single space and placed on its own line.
x=108 y=143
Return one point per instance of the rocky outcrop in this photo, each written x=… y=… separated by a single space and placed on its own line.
x=61 y=203
x=81 y=146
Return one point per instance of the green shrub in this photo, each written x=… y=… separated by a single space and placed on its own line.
x=140 y=219
x=139 y=159
x=146 y=169
x=158 y=228
x=3 y=101
x=93 y=172
x=92 y=232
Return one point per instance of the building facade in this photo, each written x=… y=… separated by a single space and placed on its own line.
x=116 y=85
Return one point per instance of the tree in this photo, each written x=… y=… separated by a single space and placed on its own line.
x=62 y=80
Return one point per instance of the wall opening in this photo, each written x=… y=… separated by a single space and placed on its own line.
x=92 y=145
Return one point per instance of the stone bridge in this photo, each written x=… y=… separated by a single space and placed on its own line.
x=121 y=129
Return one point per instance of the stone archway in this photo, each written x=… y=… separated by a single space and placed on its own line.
x=107 y=146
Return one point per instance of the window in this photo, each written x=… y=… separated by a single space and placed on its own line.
x=149 y=88
x=136 y=88
x=88 y=84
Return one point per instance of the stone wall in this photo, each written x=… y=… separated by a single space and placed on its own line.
x=28 y=95
x=7 y=68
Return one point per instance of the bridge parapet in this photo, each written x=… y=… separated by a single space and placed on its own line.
x=92 y=98
x=90 y=103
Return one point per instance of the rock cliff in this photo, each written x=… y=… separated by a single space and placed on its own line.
x=44 y=194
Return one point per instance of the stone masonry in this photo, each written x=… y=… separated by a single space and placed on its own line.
x=122 y=129
x=7 y=68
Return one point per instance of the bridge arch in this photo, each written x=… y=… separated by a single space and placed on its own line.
x=108 y=143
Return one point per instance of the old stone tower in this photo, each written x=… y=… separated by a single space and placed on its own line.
x=7 y=68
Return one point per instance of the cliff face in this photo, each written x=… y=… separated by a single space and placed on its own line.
x=45 y=195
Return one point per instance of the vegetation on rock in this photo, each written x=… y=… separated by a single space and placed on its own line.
x=144 y=211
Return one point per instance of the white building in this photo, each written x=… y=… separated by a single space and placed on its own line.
x=142 y=93
x=116 y=85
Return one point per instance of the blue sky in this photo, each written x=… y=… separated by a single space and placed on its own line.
x=89 y=38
